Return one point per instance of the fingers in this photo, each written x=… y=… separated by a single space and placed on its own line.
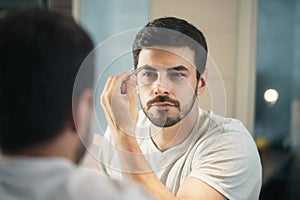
x=110 y=87
x=120 y=110
x=114 y=86
x=106 y=99
x=131 y=86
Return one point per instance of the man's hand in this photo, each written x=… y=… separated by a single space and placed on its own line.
x=121 y=110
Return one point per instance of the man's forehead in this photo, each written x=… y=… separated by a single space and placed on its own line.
x=184 y=53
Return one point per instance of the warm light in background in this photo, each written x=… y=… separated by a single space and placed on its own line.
x=271 y=96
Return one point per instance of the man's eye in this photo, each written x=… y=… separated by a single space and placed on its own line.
x=149 y=74
x=176 y=75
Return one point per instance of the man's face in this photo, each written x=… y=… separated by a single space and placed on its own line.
x=167 y=84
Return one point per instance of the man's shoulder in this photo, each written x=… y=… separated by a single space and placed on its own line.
x=91 y=184
x=227 y=148
x=214 y=122
x=218 y=132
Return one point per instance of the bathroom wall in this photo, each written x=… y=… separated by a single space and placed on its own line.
x=295 y=100
x=278 y=66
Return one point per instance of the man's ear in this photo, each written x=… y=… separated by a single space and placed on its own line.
x=82 y=111
x=202 y=82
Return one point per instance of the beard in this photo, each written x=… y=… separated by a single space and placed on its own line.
x=167 y=117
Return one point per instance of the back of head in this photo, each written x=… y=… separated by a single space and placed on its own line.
x=40 y=54
x=172 y=32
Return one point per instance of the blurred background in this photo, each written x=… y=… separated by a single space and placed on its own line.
x=254 y=46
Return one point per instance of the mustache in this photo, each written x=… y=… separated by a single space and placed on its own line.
x=163 y=99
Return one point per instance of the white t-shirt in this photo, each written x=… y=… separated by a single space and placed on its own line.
x=219 y=151
x=24 y=178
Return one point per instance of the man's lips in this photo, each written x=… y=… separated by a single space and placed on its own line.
x=162 y=104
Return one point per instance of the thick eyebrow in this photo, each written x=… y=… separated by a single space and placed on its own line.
x=147 y=67
x=178 y=68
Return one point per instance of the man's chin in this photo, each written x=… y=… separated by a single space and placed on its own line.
x=164 y=122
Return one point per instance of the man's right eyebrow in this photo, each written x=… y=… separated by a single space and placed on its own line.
x=147 y=67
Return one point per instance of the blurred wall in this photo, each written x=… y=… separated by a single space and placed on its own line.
x=278 y=67
x=295 y=104
x=105 y=18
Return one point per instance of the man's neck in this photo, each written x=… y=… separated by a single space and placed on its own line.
x=165 y=138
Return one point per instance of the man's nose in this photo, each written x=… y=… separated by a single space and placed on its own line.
x=160 y=87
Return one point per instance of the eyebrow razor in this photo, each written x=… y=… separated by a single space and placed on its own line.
x=125 y=80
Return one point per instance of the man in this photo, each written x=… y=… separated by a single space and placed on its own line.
x=172 y=147
x=40 y=54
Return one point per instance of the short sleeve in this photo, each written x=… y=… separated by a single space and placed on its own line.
x=230 y=163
